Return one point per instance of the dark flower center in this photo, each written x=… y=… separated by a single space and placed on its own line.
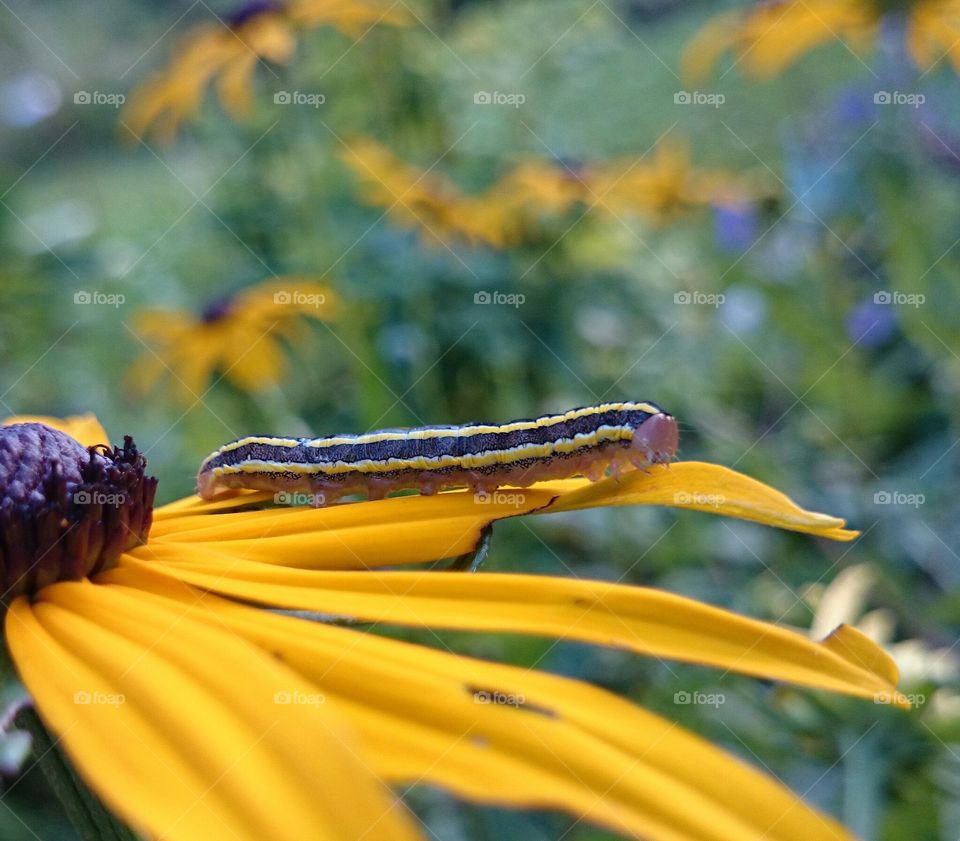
x=217 y=309
x=67 y=511
x=251 y=10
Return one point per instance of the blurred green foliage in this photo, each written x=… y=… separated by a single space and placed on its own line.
x=817 y=373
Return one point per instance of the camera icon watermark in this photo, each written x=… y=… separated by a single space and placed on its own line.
x=913 y=500
x=99 y=699
x=112 y=500
x=296 y=697
x=114 y=100
x=915 y=700
x=313 y=500
x=896 y=298
x=514 y=499
x=712 y=100
x=700 y=299
x=498 y=98
x=914 y=100
x=101 y=299
x=703 y=699
x=311 y=100
x=516 y=300
x=710 y=500
x=297 y=298
x=503 y=699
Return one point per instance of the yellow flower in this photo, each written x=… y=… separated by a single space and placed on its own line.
x=660 y=189
x=441 y=211
x=239 y=336
x=413 y=198
x=194 y=714
x=770 y=36
x=527 y=192
x=227 y=52
x=663 y=188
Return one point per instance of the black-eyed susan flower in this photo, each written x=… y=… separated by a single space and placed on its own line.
x=516 y=203
x=227 y=52
x=768 y=37
x=659 y=189
x=442 y=211
x=663 y=187
x=238 y=336
x=415 y=198
x=196 y=714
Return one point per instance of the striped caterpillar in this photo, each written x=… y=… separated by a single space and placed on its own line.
x=586 y=441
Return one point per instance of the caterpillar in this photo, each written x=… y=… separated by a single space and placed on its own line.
x=586 y=441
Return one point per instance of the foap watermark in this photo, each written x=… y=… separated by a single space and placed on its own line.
x=311 y=100
x=899 y=498
x=915 y=700
x=314 y=500
x=711 y=500
x=894 y=297
x=703 y=699
x=498 y=98
x=298 y=698
x=699 y=299
x=504 y=699
x=511 y=498
x=84 y=298
x=295 y=297
x=114 y=100
x=914 y=100
x=99 y=699
x=510 y=299
x=113 y=500
x=713 y=100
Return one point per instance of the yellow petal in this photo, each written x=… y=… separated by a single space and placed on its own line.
x=703 y=51
x=83 y=428
x=401 y=530
x=417 y=529
x=643 y=620
x=273 y=303
x=423 y=716
x=352 y=17
x=253 y=360
x=178 y=725
x=234 y=84
x=705 y=487
x=178 y=512
x=271 y=36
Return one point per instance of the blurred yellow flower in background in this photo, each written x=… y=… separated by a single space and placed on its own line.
x=768 y=37
x=663 y=188
x=534 y=190
x=441 y=210
x=194 y=713
x=227 y=53
x=237 y=336
x=518 y=201
x=412 y=197
x=921 y=665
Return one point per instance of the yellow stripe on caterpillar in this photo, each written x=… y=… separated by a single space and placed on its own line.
x=585 y=441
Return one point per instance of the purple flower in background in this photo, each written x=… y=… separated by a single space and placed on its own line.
x=871 y=323
x=735 y=227
x=853 y=108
